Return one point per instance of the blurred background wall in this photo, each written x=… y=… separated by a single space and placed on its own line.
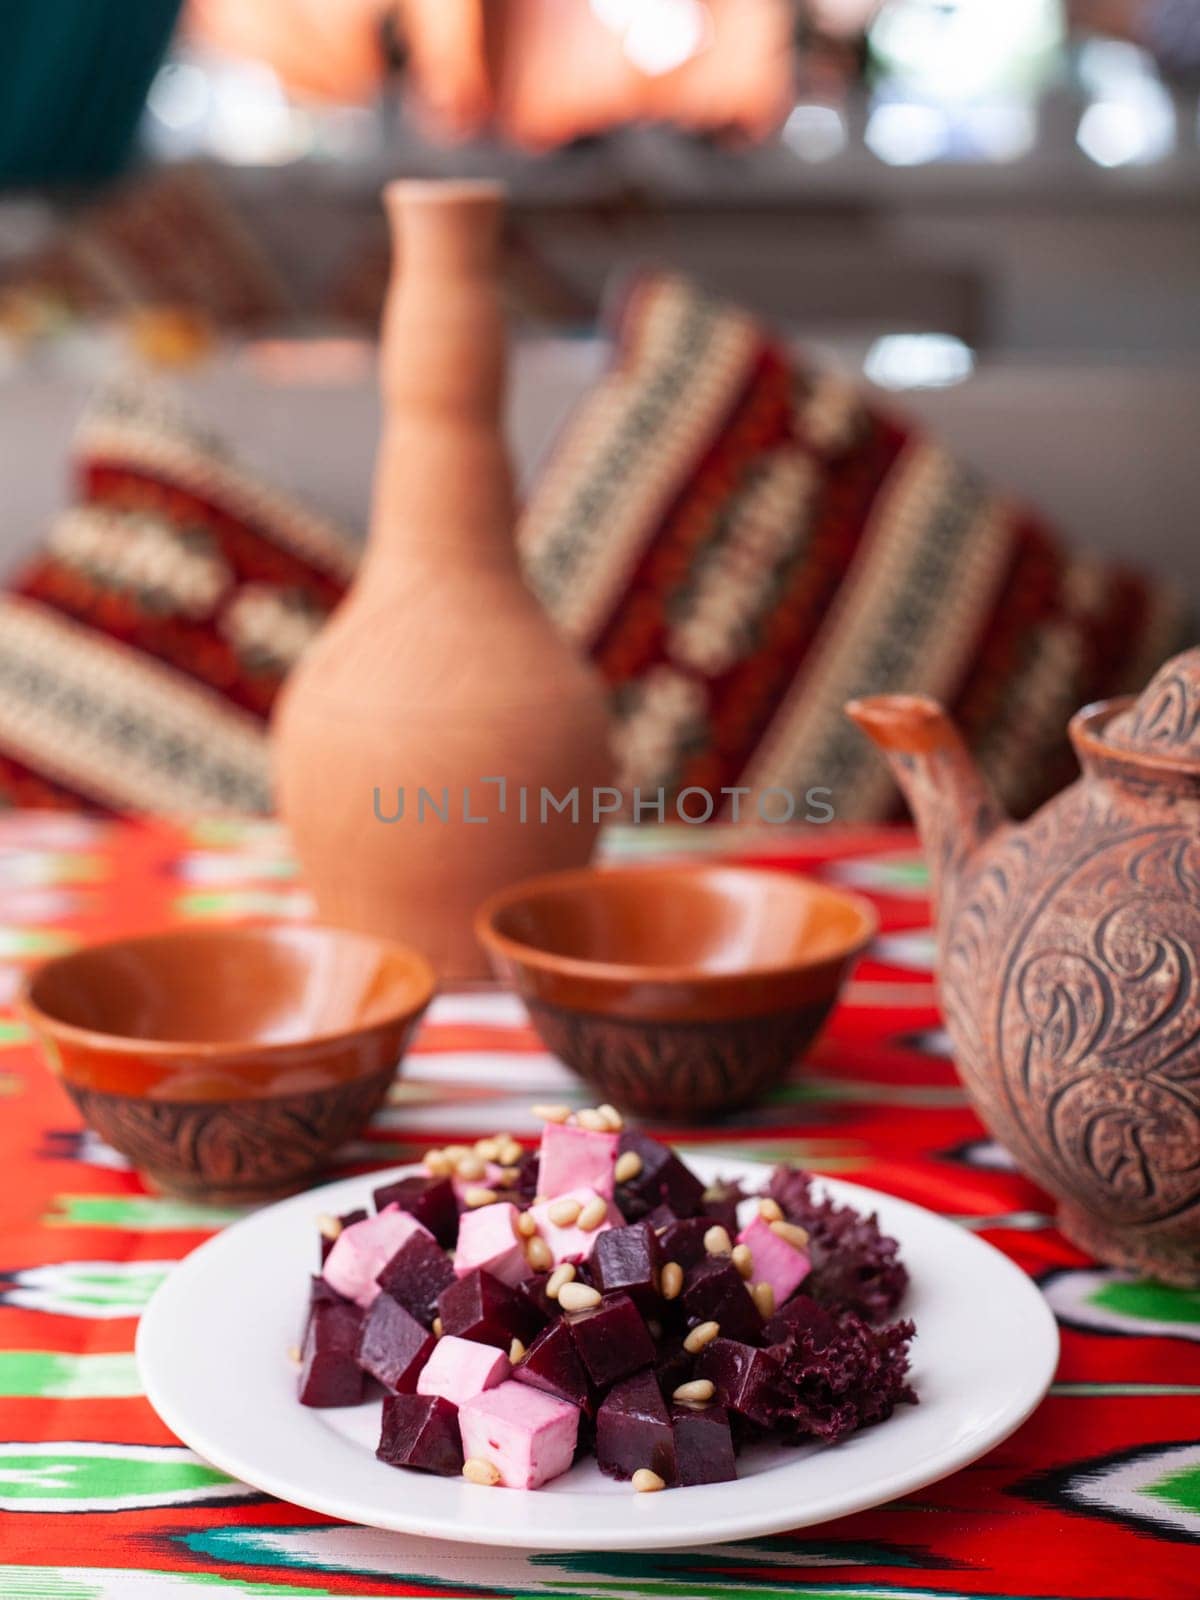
x=991 y=211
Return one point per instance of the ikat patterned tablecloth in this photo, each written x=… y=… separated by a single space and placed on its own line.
x=1097 y=1497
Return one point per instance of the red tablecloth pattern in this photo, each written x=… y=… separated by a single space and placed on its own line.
x=1097 y=1495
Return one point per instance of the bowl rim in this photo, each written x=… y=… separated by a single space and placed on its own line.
x=46 y=1022
x=624 y=972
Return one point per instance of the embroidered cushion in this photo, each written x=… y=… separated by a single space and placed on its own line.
x=141 y=650
x=744 y=542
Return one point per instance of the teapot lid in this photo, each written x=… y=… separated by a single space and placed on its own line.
x=1165 y=718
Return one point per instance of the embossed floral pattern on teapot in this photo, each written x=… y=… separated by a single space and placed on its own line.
x=1069 y=959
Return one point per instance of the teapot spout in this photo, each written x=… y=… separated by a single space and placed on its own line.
x=952 y=802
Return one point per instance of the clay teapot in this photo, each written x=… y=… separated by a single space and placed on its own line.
x=1069 y=959
x=416 y=742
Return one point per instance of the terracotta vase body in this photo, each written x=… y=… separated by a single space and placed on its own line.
x=415 y=740
x=1069 y=960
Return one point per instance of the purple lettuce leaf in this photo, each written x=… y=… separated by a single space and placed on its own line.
x=855 y=1266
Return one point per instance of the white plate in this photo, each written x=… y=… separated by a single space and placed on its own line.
x=213 y=1351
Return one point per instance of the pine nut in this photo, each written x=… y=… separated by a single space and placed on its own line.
x=703 y=1333
x=629 y=1164
x=764 y=1299
x=525 y=1224
x=593 y=1214
x=437 y=1164
x=476 y=1470
x=437 y=1327
x=612 y=1116
x=487 y=1149
x=670 y=1280
x=294 y=1355
x=537 y=1253
x=698 y=1389
x=647 y=1481
x=564 y=1213
x=558 y=1278
x=717 y=1241
x=578 y=1297
x=330 y=1227
x=516 y=1351
x=594 y=1121
x=795 y=1236
x=476 y=1197
x=470 y=1169
x=507 y=1177
x=509 y=1153
x=454 y=1153
x=551 y=1113
x=743 y=1260
x=769 y=1210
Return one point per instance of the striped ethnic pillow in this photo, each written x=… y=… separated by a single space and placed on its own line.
x=743 y=542
x=141 y=650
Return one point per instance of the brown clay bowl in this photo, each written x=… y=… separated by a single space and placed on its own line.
x=676 y=991
x=229 y=1063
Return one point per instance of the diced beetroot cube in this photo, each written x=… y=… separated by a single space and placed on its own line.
x=683 y=1241
x=322 y=1292
x=551 y=1364
x=801 y=1311
x=416 y=1275
x=430 y=1200
x=526 y=1185
x=393 y=1346
x=329 y=1371
x=611 y=1339
x=715 y=1291
x=347 y=1220
x=703 y=1444
x=571 y=1158
x=674 y=1366
x=633 y=1430
x=743 y=1377
x=459 y=1369
x=529 y=1436
x=421 y=1431
x=487 y=1239
x=482 y=1308
x=534 y=1291
x=628 y=1258
x=775 y=1261
x=721 y=1204
x=663 y=1180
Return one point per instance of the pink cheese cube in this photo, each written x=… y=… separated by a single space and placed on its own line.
x=572 y=1243
x=361 y=1251
x=527 y=1435
x=487 y=1238
x=459 y=1369
x=570 y=1158
x=775 y=1261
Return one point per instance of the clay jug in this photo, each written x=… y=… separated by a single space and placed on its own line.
x=417 y=742
x=1068 y=961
